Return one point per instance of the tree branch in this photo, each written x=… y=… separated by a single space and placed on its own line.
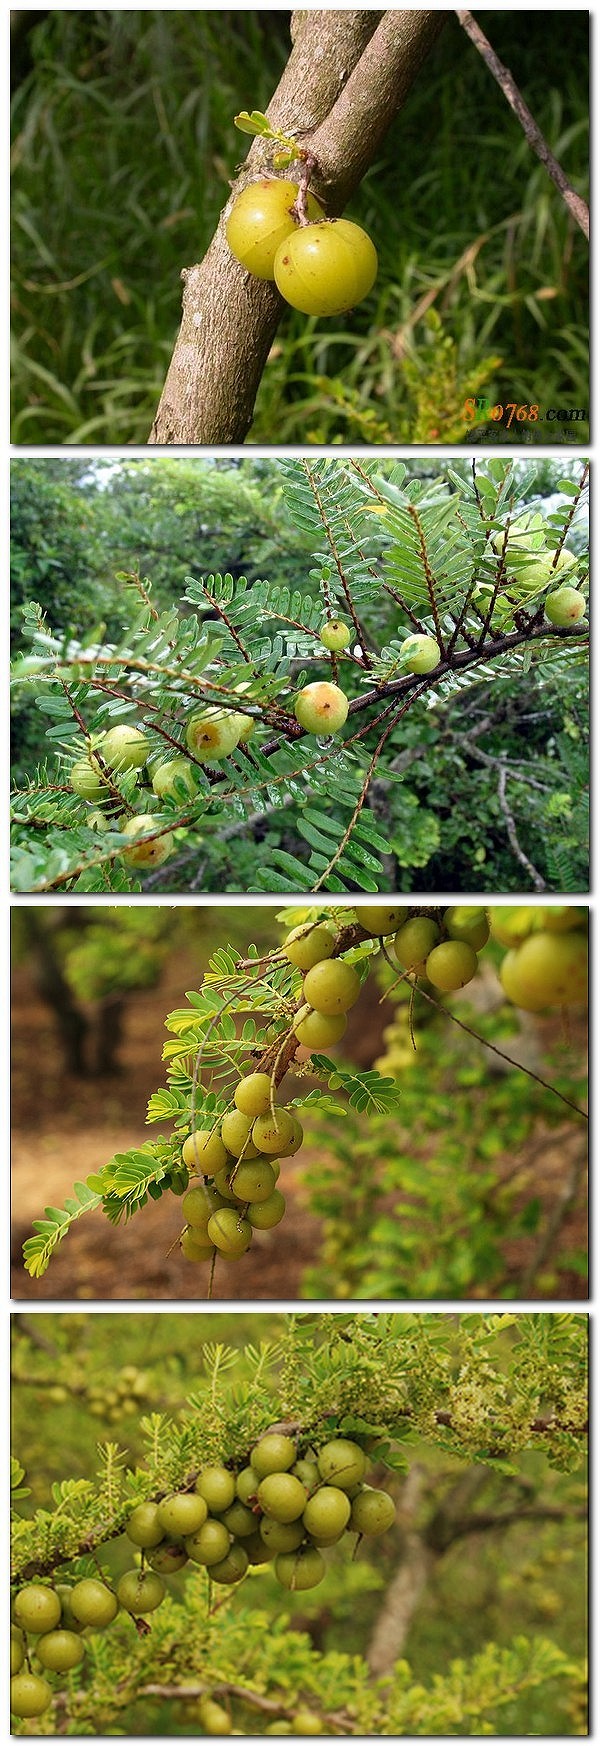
x=533 y=134
x=229 y=316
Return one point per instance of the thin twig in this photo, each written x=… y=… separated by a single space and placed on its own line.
x=485 y=1043
x=511 y=831
x=533 y=134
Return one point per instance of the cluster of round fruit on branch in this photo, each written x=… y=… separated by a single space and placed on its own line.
x=282 y=1508
x=547 y=962
x=532 y=566
x=321 y=266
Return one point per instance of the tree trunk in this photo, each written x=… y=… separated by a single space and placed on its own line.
x=54 y=989
x=404 y=1592
x=347 y=76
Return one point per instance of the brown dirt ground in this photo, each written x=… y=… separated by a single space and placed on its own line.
x=64 y=1127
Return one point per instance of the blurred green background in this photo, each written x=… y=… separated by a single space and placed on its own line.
x=124 y=147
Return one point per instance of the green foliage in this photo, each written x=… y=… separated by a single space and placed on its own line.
x=392 y=792
x=479 y=230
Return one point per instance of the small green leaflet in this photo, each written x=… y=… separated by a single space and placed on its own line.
x=50 y=1230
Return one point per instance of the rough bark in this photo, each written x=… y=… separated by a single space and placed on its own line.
x=404 y=1592
x=347 y=76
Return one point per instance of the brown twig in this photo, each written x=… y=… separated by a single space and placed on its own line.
x=533 y=134
x=511 y=832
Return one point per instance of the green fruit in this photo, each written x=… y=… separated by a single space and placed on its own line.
x=213 y=1718
x=254 y=1182
x=325 y=269
x=17 y=1651
x=451 y=965
x=342 y=1463
x=146 y=854
x=335 y=636
x=253 y=1095
x=560 y=918
x=300 y=1570
x=372 y=1511
x=307 y=1472
x=321 y=708
x=217 y=1486
x=37 y=1608
x=466 y=922
x=327 y=1513
x=239 y=1519
x=511 y=923
x=182 y=1513
x=59 y=1651
x=422 y=654
x=232 y=1568
x=245 y=1485
x=316 y=1030
x=256 y=1550
x=235 y=1133
x=379 y=921
x=547 y=970
x=261 y=219
x=273 y=1134
x=273 y=1453
x=195 y=1245
x=213 y=735
x=281 y=1536
x=414 y=941
x=124 y=748
x=263 y=1215
x=223 y=1184
x=140 y=1592
x=281 y=1495
x=86 y=780
x=204 y=1151
x=93 y=1603
x=230 y=1232
x=565 y=606
x=144 y=1527
x=97 y=821
x=210 y=1544
x=309 y=944
x=198 y=1204
x=168 y=1559
x=171 y=777
x=332 y=987
x=305 y=1722
x=29 y=1695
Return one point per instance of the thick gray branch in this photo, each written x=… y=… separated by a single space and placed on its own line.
x=345 y=103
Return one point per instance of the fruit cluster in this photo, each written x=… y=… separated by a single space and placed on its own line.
x=281 y=1508
x=532 y=566
x=547 y=961
x=321 y=266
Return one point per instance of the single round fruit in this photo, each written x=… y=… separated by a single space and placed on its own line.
x=281 y=1536
x=182 y=1513
x=223 y=1184
x=379 y=921
x=309 y=944
x=464 y=921
x=422 y=654
x=546 y=970
x=245 y=1485
x=305 y=1722
x=325 y=269
x=281 y=1495
x=195 y=1245
x=327 y=1513
x=204 y=1151
x=170 y=778
x=300 y=1570
x=232 y=1568
x=209 y=1544
x=167 y=1559
x=86 y=780
x=317 y=1030
x=213 y=735
x=451 y=965
x=372 y=1511
x=93 y=1603
x=273 y=1134
x=321 y=708
x=144 y=1527
x=146 y=854
x=512 y=923
x=37 y=1608
x=198 y=1204
x=414 y=941
x=239 y=1519
x=256 y=1550
x=253 y=1095
x=124 y=748
x=254 y=1181
x=213 y=1718
x=342 y=1463
x=29 y=1695
x=307 y=1472
x=273 y=1453
x=140 y=1591
x=260 y=220
x=565 y=606
x=332 y=987
x=59 y=1651
x=335 y=636
x=217 y=1486
x=263 y=1215
x=229 y=1232
x=235 y=1133
x=17 y=1650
